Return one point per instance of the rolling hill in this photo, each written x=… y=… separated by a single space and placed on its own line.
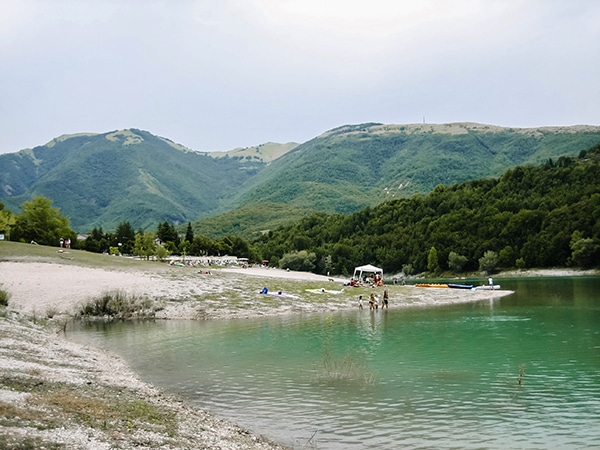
x=101 y=180
x=355 y=166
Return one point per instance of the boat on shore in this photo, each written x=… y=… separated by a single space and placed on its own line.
x=488 y=287
x=460 y=286
x=432 y=285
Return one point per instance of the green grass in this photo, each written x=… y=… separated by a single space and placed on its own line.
x=16 y=251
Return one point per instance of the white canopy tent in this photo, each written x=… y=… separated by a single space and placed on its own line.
x=367 y=270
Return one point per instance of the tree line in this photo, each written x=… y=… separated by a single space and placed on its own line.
x=41 y=223
x=544 y=216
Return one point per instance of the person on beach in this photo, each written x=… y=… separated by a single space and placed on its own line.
x=385 y=299
x=360 y=303
x=491 y=282
x=372 y=301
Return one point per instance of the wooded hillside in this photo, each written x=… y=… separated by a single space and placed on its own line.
x=541 y=216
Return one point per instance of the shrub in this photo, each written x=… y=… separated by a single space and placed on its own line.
x=4 y=297
x=118 y=305
x=488 y=263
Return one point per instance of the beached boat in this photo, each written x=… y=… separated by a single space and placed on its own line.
x=460 y=286
x=488 y=287
x=432 y=285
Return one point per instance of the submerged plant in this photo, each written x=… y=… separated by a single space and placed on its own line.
x=351 y=368
x=521 y=374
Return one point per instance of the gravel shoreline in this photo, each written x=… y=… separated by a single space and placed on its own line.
x=58 y=394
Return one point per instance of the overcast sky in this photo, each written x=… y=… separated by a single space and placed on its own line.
x=220 y=74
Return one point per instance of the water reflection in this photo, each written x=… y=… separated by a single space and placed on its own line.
x=417 y=378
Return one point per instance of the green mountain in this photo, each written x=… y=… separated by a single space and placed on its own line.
x=531 y=216
x=101 y=180
x=355 y=166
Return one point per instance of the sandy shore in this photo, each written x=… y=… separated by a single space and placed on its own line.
x=58 y=394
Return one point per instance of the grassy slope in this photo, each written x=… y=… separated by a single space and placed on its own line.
x=103 y=180
x=15 y=251
x=352 y=167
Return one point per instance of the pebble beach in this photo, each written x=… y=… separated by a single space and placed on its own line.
x=59 y=394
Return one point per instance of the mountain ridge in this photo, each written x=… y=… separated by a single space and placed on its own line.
x=102 y=179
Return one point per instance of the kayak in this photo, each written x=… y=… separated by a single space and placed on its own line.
x=460 y=286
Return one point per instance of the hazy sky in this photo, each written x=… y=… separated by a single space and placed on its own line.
x=220 y=74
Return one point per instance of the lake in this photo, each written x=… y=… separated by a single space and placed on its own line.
x=521 y=371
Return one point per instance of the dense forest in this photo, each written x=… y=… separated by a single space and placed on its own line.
x=541 y=216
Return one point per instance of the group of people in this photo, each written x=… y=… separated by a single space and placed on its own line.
x=374 y=301
x=373 y=280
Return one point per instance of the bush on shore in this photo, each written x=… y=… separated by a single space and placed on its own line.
x=4 y=297
x=116 y=305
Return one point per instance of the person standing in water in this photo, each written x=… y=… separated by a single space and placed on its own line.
x=385 y=299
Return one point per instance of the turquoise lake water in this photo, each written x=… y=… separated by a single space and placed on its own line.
x=521 y=371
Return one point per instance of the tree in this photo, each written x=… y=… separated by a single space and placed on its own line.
x=507 y=257
x=42 y=223
x=432 y=260
x=585 y=251
x=456 y=262
x=161 y=253
x=327 y=263
x=302 y=261
x=167 y=233
x=202 y=245
x=96 y=241
x=189 y=233
x=125 y=237
x=488 y=263
x=7 y=220
x=144 y=246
